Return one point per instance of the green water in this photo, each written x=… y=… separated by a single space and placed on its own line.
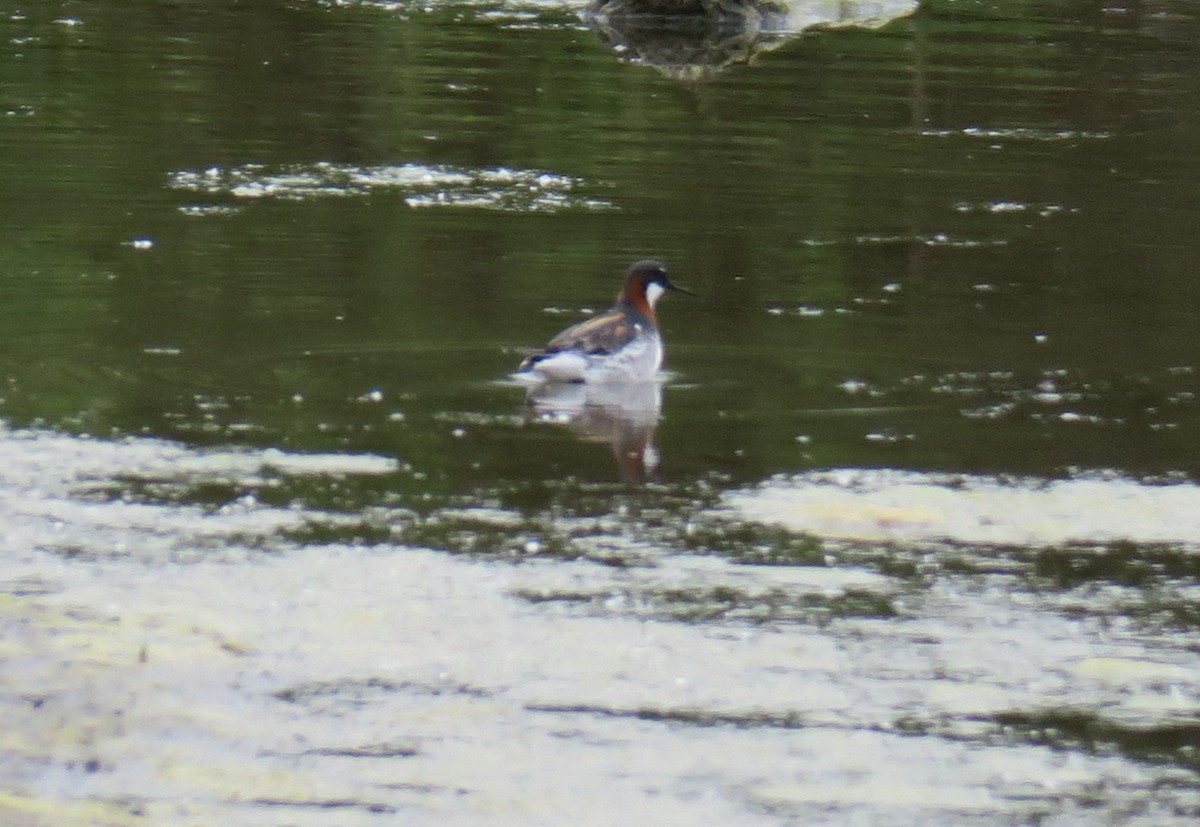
x=942 y=191
x=955 y=242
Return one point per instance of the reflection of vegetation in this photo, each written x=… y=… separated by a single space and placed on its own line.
x=490 y=537
x=710 y=9
x=1125 y=564
x=352 y=532
x=685 y=716
x=753 y=543
x=352 y=693
x=1075 y=730
x=1152 y=576
x=724 y=603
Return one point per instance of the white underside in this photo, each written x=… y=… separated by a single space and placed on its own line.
x=639 y=360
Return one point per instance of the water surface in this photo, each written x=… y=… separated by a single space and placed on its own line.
x=907 y=535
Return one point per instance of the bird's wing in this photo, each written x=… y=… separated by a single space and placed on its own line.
x=607 y=333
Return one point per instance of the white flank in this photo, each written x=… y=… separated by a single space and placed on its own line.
x=567 y=366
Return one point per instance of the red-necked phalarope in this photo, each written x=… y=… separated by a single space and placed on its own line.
x=622 y=344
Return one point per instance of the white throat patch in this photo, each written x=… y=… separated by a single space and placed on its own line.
x=654 y=292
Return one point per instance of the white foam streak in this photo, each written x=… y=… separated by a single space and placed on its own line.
x=502 y=188
x=914 y=507
x=50 y=482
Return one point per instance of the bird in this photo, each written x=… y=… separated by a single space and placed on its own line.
x=622 y=344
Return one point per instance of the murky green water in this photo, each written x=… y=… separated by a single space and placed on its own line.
x=910 y=535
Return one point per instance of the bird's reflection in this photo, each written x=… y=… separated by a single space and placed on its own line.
x=624 y=415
